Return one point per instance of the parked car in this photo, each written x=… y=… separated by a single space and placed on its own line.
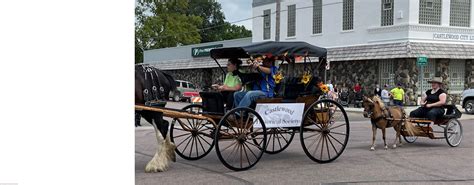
x=184 y=91
x=467 y=101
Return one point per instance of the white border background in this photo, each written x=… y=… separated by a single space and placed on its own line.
x=66 y=96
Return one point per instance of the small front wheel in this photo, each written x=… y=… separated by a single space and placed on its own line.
x=279 y=139
x=410 y=139
x=193 y=137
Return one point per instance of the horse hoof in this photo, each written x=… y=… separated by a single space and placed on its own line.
x=372 y=148
x=386 y=147
x=394 y=146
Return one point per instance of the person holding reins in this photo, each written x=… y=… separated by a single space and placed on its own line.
x=432 y=103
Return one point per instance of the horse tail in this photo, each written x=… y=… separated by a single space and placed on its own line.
x=411 y=130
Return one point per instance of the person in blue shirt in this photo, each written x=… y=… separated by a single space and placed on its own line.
x=263 y=88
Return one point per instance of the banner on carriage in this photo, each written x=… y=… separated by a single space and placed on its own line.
x=280 y=114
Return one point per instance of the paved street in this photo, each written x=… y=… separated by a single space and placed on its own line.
x=423 y=162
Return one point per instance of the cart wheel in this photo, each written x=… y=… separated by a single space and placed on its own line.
x=410 y=139
x=324 y=131
x=233 y=139
x=453 y=132
x=193 y=137
x=278 y=139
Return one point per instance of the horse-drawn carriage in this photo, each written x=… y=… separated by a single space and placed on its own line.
x=323 y=125
x=412 y=128
x=451 y=128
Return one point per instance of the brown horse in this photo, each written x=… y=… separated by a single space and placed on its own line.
x=382 y=117
x=152 y=85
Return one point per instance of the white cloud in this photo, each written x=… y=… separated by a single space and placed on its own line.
x=235 y=10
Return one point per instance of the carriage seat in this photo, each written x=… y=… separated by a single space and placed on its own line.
x=451 y=112
x=212 y=102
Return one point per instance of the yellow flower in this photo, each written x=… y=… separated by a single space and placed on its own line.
x=323 y=87
x=306 y=78
x=278 y=77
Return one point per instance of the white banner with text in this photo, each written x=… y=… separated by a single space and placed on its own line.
x=280 y=114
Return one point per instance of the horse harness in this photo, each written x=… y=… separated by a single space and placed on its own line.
x=152 y=93
x=388 y=117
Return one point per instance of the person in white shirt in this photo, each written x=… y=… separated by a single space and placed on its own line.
x=385 y=95
x=331 y=88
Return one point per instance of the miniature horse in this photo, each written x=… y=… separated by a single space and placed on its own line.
x=382 y=117
x=151 y=84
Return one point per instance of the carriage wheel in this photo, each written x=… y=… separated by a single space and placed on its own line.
x=193 y=137
x=239 y=145
x=278 y=139
x=453 y=132
x=324 y=132
x=410 y=139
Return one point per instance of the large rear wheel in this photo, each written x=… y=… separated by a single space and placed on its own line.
x=453 y=132
x=324 y=132
x=240 y=145
x=193 y=137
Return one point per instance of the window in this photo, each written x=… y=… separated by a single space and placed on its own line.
x=317 y=16
x=429 y=72
x=430 y=12
x=456 y=75
x=348 y=15
x=291 y=21
x=460 y=13
x=266 y=24
x=190 y=85
x=387 y=13
x=184 y=84
x=386 y=72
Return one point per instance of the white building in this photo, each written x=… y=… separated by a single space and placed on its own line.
x=387 y=34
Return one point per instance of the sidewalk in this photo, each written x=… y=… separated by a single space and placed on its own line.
x=408 y=109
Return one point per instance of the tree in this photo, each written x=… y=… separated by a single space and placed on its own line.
x=160 y=24
x=214 y=26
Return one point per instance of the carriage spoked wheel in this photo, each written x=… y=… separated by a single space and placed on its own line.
x=240 y=145
x=278 y=139
x=193 y=137
x=324 y=132
x=410 y=139
x=453 y=132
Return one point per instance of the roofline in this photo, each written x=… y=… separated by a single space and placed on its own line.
x=256 y=3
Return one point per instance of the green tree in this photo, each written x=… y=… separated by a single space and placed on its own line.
x=214 y=26
x=160 y=24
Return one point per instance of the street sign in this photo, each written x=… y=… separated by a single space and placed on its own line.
x=422 y=61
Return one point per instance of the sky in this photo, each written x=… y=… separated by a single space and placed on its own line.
x=235 y=10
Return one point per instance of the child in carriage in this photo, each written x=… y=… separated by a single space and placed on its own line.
x=232 y=82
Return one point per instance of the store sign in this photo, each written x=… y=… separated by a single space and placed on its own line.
x=204 y=51
x=280 y=114
x=454 y=37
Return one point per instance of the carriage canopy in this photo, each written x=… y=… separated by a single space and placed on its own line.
x=289 y=49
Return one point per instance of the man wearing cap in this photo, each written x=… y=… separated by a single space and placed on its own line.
x=398 y=93
x=432 y=103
